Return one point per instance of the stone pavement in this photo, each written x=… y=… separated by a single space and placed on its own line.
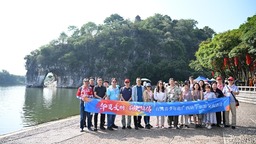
x=67 y=132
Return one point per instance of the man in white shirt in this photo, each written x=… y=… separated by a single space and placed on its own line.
x=231 y=90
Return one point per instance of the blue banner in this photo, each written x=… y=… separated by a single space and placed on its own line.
x=156 y=108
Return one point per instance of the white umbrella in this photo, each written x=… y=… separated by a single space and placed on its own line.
x=145 y=79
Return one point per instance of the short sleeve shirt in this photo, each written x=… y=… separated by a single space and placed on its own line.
x=100 y=90
x=226 y=92
x=113 y=93
x=126 y=93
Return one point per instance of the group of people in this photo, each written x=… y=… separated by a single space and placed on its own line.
x=172 y=92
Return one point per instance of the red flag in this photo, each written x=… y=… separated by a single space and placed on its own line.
x=236 y=61
x=248 y=59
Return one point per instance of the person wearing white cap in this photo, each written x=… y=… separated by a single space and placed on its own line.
x=231 y=90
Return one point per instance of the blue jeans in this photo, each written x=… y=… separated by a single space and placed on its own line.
x=147 y=120
x=111 y=120
x=82 y=115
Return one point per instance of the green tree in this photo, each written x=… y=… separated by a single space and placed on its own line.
x=157 y=47
x=226 y=52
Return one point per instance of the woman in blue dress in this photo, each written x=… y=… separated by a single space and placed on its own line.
x=210 y=118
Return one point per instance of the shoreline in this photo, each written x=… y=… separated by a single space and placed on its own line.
x=25 y=129
x=67 y=131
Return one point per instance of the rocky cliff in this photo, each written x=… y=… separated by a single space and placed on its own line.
x=157 y=48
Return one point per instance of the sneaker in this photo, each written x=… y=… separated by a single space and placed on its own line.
x=209 y=127
x=82 y=130
x=177 y=127
x=186 y=126
x=123 y=127
x=114 y=126
x=90 y=129
x=226 y=126
x=110 y=128
x=129 y=127
x=95 y=129
x=136 y=128
x=147 y=126
x=140 y=126
x=162 y=126
x=233 y=127
x=150 y=126
x=157 y=126
x=102 y=128
x=206 y=125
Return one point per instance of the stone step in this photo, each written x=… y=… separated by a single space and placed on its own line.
x=246 y=96
x=249 y=95
x=247 y=92
x=248 y=99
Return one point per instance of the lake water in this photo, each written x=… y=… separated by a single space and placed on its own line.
x=22 y=107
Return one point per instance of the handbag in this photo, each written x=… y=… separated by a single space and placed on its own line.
x=237 y=102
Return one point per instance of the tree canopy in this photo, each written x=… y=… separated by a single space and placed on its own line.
x=7 y=79
x=231 y=53
x=157 y=48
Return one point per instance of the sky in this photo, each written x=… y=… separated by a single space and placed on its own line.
x=25 y=25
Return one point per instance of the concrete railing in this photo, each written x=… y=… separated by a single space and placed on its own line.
x=247 y=94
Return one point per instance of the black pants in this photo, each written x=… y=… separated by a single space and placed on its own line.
x=102 y=120
x=137 y=120
x=220 y=116
x=175 y=119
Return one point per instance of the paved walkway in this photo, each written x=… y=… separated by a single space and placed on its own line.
x=67 y=132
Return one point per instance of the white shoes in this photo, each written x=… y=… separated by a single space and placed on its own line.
x=209 y=126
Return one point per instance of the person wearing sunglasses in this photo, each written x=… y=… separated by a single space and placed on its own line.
x=231 y=90
x=113 y=93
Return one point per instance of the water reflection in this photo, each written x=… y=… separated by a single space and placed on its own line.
x=48 y=95
x=43 y=105
x=22 y=107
